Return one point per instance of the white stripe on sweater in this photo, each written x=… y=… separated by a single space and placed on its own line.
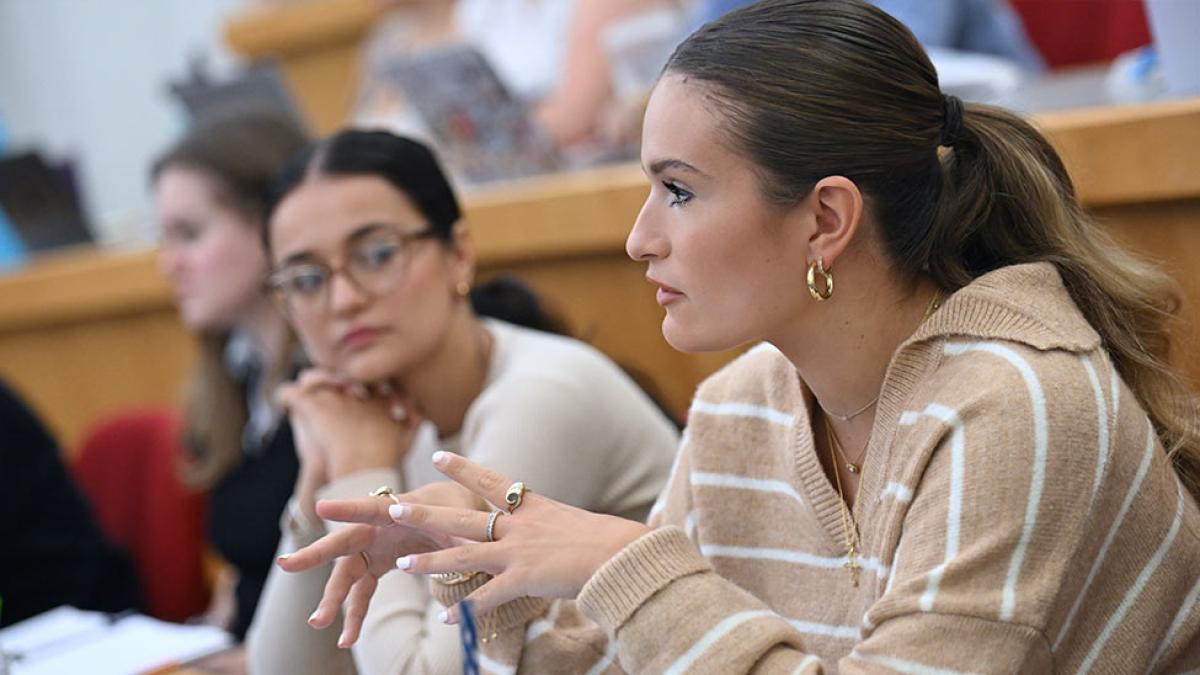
x=1184 y=610
x=495 y=667
x=723 y=628
x=808 y=660
x=729 y=480
x=739 y=409
x=825 y=630
x=789 y=556
x=1101 y=429
x=1041 y=444
x=544 y=624
x=905 y=666
x=1134 y=591
x=1147 y=455
x=661 y=500
x=606 y=660
x=954 y=509
x=689 y=526
x=893 y=489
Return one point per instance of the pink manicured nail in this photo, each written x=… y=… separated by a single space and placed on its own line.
x=398 y=511
x=440 y=458
x=404 y=563
x=444 y=617
x=313 y=616
x=343 y=642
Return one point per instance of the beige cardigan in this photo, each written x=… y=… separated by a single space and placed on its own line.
x=1017 y=515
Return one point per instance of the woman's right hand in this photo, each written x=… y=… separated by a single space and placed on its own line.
x=383 y=541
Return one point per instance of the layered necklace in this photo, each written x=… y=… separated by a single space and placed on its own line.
x=838 y=454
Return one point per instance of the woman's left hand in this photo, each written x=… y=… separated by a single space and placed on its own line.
x=542 y=549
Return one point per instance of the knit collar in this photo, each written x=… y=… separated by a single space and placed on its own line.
x=1026 y=303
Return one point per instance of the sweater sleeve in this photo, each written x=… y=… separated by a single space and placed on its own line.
x=280 y=639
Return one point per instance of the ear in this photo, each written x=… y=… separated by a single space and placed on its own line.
x=461 y=254
x=837 y=207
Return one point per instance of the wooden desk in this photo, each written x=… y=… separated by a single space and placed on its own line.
x=83 y=334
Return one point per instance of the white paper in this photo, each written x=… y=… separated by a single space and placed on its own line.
x=66 y=641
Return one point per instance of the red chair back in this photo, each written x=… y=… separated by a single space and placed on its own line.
x=126 y=469
x=1069 y=32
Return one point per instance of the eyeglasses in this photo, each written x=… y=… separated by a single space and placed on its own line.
x=374 y=264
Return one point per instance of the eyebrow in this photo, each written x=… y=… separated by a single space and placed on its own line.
x=358 y=233
x=660 y=165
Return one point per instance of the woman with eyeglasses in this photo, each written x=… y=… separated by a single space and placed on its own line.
x=960 y=449
x=373 y=265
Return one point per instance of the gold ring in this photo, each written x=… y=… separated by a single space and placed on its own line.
x=385 y=491
x=491 y=528
x=366 y=559
x=516 y=492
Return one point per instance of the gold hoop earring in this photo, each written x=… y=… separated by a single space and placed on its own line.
x=818 y=267
x=463 y=288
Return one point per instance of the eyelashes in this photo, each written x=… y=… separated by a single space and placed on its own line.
x=679 y=196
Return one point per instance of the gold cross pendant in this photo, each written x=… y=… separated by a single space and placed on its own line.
x=853 y=566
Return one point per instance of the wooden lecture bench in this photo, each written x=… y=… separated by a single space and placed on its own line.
x=88 y=333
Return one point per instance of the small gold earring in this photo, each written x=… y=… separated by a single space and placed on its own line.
x=463 y=288
x=818 y=267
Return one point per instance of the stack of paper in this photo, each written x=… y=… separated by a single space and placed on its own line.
x=69 y=641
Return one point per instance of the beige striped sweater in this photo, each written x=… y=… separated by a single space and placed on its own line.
x=1017 y=515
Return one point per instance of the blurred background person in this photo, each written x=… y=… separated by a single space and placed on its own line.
x=210 y=200
x=549 y=54
x=53 y=552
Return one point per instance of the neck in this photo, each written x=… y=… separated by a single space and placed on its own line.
x=842 y=353
x=446 y=384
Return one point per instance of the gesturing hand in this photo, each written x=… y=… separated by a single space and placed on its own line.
x=543 y=548
x=380 y=538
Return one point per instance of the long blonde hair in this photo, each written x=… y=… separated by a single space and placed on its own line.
x=814 y=88
x=240 y=152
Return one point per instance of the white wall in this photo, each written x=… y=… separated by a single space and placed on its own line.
x=87 y=80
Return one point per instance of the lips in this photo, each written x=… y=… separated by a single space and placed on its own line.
x=358 y=337
x=666 y=294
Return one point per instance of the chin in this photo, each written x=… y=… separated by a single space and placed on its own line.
x=691 y=338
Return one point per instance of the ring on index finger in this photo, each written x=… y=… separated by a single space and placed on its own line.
x=386 y=491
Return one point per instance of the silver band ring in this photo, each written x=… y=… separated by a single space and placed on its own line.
x=366 y=559
x=491 y=528
x=516 y=492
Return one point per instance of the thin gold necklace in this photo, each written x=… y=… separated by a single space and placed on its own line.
x=849 y=525
x=840 y=452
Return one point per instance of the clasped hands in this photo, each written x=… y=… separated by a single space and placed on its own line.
x=341 y=427
x=543 y=549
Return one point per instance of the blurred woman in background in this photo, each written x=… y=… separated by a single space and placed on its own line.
x=210 y=199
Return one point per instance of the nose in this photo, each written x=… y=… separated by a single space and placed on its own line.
x=646 y=240
x=345 y=297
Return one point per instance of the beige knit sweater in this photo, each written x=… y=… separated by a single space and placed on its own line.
x=1017 y=515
